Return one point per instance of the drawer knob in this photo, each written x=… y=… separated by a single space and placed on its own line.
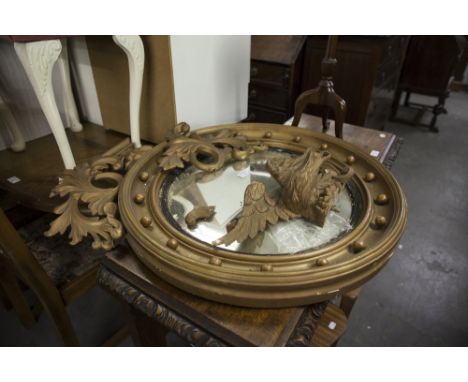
x=253 y=93
x=253 y=71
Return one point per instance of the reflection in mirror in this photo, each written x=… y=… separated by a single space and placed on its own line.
x=225 y=188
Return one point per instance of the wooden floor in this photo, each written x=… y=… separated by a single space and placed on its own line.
x=40 y=165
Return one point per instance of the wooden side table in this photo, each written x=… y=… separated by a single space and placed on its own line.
x=156 y=307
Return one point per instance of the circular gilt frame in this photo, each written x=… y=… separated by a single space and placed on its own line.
x=267 y=280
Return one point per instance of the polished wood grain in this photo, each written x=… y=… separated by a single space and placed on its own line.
x=370 y=140
x=40 y=166
x=277 y=49
x=331 y=326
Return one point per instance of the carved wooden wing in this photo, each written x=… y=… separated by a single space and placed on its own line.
x=258 y=210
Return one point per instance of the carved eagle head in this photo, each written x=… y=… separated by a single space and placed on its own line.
x=308 y=188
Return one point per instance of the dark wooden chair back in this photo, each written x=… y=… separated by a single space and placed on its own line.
x=18 y=260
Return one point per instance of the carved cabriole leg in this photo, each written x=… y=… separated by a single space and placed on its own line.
x=70 y=105
x=18 y=143
x=38 y=59
x=133 y=47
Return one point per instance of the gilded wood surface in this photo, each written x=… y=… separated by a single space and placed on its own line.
x=91 y=207
x=269 y=281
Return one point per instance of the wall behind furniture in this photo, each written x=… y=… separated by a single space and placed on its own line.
x=211 y=78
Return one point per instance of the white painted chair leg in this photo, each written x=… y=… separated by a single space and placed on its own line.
x=70 y=105
x=38 y=59
x=133 y=47
x=6 y=115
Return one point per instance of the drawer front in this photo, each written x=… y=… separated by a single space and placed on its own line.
x=259 y=114
x=270 y=73
x=268 y=96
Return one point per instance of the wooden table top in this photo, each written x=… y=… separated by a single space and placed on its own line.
x=40 y=165
x=382 y=145
x=234 y=325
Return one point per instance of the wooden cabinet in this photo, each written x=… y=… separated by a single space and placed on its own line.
x=275 y=77
x=366 y=75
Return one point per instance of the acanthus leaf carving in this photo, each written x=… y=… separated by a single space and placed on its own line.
x=92 y=190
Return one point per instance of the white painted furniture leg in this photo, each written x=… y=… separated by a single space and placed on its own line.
x=70 y=105
x=133 y=47
x=38 y=59
x=10 y=121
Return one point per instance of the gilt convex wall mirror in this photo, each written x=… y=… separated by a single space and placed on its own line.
x=257 y=215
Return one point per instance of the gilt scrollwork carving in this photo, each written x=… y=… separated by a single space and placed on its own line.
x=91 y=191
x=185 y=147
x=199 y=213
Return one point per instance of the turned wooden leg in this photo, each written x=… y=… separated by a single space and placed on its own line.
x=325 y=121
x=18 y=143
x=70 y=105
x=133 y=47
x=339 y=110
x=38 y=59
x=436 y=110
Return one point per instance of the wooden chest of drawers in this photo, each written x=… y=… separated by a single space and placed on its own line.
x=275 y=76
